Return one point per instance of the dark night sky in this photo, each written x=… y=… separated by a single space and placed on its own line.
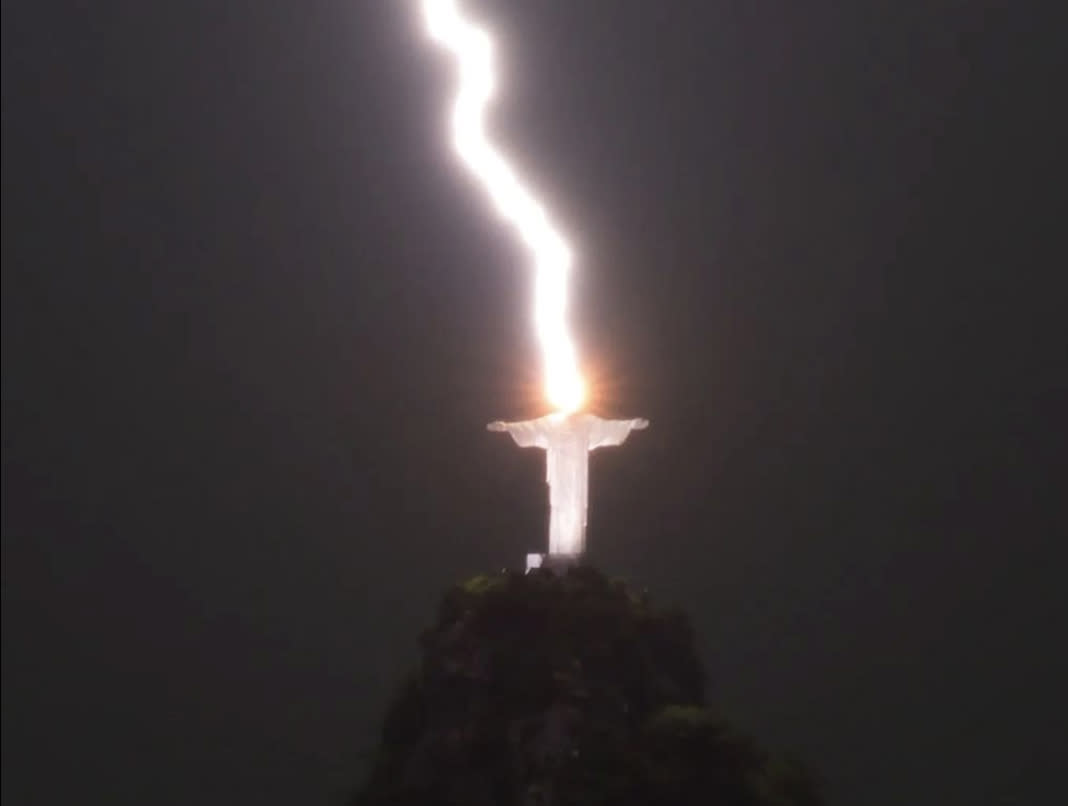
x=255 y=319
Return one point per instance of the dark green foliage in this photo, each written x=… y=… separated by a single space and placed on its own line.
x=544 y=689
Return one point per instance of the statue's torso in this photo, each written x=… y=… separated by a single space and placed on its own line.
x=567 y=459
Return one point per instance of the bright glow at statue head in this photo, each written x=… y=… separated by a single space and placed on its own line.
x=565 y=393
x=473 y=50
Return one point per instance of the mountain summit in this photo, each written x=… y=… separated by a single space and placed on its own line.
x=546 y=688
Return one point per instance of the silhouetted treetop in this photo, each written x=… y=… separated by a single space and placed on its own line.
x=565 y=689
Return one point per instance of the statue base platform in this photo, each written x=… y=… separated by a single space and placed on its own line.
x=557 y=563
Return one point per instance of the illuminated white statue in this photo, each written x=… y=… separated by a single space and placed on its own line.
x=566 y=436
x=567 y=440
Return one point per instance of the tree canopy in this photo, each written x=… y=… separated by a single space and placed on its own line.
x=568 y=688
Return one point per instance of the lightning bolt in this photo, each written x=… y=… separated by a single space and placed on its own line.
x=472 y=49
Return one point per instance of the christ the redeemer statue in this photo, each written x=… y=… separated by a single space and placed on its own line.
x=567 y=440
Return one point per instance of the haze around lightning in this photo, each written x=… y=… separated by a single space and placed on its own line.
x=472 y=49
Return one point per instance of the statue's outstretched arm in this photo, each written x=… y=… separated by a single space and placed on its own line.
x=527 y=434
x=614 y=432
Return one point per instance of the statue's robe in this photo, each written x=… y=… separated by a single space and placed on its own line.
x=567 y=441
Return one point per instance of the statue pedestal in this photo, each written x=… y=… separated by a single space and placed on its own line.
x=557 y=563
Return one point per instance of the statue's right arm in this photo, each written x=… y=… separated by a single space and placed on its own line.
x=526 y=434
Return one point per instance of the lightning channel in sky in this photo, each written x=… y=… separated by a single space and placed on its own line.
x=472 y=50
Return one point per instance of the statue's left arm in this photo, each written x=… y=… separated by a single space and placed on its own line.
x=614 y=432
